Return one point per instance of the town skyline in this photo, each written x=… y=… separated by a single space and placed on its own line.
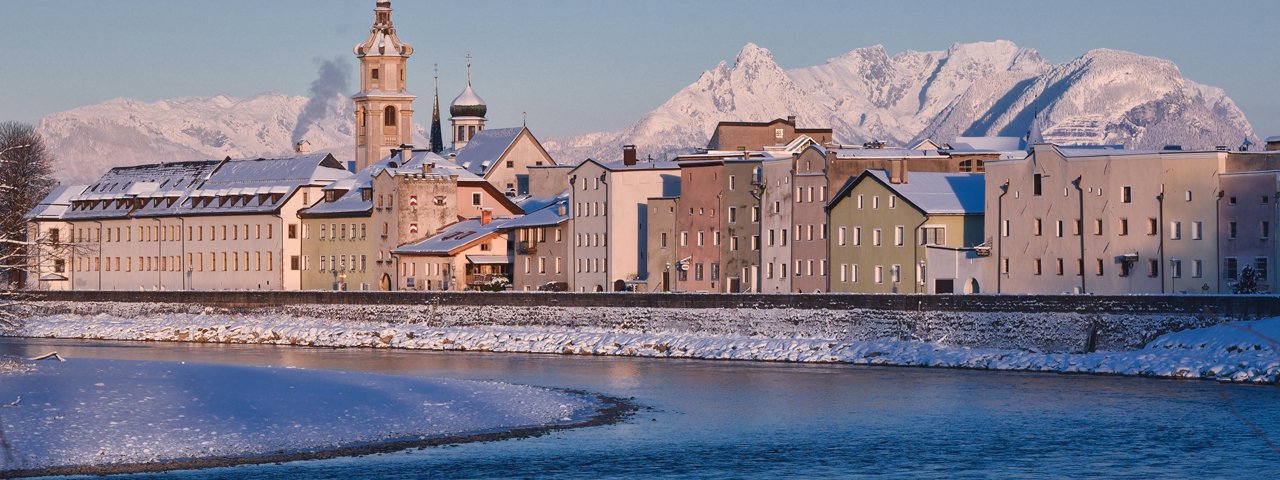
x=277 y=48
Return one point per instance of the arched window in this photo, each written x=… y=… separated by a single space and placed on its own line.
x=389 y=116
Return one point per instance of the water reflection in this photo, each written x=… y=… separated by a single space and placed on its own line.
x=713 y=419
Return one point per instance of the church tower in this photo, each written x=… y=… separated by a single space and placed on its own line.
x=467 y=113
x=384 y=108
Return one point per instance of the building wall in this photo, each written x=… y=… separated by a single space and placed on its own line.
x=524 y=152
x=548 y=181
x=1255 y=216
x=541 y=256
x=775 y=227
x=354 y=237
x=740 y=239
x=870 y=207
x=451 y=272
x=961 y=267
x=1158 y=231
x=696 y=218
x=195 y=252
x=754 y=137
x=662 y=244
x=811 y=188
x=51 y=255
x=609 y=223
x=588 y=225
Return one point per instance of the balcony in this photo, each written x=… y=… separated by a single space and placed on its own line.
x=526 y=248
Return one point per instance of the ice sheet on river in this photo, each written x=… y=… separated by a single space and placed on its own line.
x=94 y=412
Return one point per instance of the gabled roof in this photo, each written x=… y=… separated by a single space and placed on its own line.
x=486 y=149
x=619 y=166
x=55 y=204
x=550 y=215
x=929 y=192
x=352 y=203
x=455 y=237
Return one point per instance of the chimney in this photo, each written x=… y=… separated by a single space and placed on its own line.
x=428 y=167
x=831 y=157
x=486 y=216
x=561 y=210
x=897 y=170
x=791 y=119
x=628 y=155
x=303 y=147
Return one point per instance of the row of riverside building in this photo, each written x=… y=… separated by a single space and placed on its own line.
x=765 y=207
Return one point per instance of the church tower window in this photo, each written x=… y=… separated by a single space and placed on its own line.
x=389 y=116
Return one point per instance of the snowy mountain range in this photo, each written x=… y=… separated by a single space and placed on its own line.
x=990 y=88
x=87 y=141
x=976 y=89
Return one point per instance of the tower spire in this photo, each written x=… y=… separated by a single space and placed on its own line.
x=468 y=69
x=437 y=136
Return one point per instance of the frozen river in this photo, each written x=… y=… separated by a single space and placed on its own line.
x=716 y=419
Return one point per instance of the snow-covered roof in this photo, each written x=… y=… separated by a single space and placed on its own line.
x=484 y=150
x=550 y=215
x=351 y=202
x=988 y=144
x=932 y=192
x=883 y=153
x=55 y=204
x=209 y=187
x=455 y=236
x=467 y=98
x=1272 y=139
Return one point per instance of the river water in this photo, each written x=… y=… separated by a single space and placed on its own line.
x=710 y=419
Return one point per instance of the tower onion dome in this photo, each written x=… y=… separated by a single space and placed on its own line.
x=468 y=104
x=383 y=40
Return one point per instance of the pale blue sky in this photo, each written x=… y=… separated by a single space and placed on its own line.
x=579 y=66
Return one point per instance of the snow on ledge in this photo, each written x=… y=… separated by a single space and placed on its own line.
x=1236 y=352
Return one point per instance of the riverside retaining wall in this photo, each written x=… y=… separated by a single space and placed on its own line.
x=1226 y=306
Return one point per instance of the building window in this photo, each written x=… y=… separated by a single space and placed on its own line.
x=733 y=214
x=1058 y=267
x=389 y=116
x=1058 y=229
x=715 y=271
x=1260 y=268
x=1152 y=225
x=1004 y=228
x=755 y=214
x=1231 y=230
x=1266 y=230
x=1175 y=230
x=879 y=274
x=1153 y=268
x=779 y=134
x=1036 y=227
x=875 y=237
x=1126 y=194
x=857 y=236
x=1037 y=184
x=1230 y=268
x=898 y=234
x=475 y=198
x=1035 y=267
x=1097 y=226
x=840 y=236
x=1123 y=227
x=1175 y=268
x=1197 y=268
x=1098 y=267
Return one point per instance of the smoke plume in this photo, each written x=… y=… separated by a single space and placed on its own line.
x=330 y=82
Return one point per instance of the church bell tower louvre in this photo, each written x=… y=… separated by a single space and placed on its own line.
x=384 y=108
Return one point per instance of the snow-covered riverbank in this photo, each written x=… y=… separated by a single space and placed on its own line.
x=143 y=415
x=1236 y=352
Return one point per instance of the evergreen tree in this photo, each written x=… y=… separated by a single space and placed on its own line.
x=1248 y=282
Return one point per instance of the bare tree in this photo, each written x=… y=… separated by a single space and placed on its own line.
x=26 y=177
